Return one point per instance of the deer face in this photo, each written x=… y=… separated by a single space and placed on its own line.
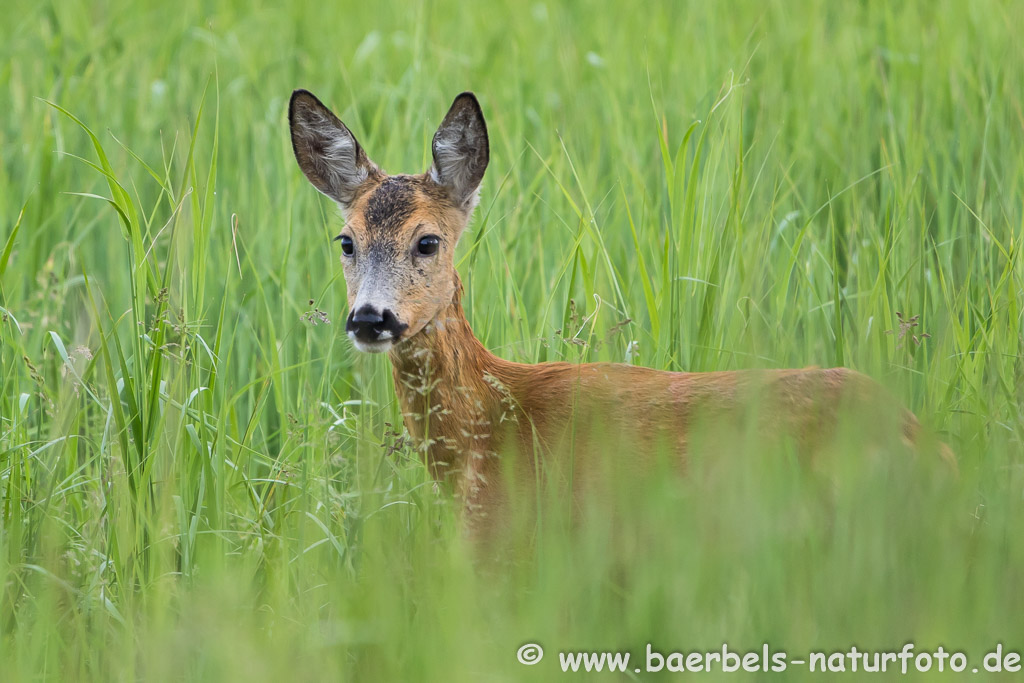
x=398 y=244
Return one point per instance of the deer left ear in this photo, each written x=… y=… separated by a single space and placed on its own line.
x=461 y=151
x=326 y=150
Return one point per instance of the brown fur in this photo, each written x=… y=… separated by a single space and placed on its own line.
x=466 y=408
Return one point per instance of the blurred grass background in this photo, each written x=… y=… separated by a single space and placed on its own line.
x=201 y=480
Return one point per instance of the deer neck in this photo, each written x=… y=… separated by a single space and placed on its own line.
x=450 y=392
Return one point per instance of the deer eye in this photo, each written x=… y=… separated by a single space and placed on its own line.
x=427 y=246
x=347 y=247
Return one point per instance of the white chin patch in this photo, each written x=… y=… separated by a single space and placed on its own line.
x=379 y=346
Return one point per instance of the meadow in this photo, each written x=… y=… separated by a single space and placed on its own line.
x=201 y=480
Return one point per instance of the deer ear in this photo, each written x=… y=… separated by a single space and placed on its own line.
x=461 y=151
x=326 y=150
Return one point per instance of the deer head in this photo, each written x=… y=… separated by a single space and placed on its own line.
x=398 y=243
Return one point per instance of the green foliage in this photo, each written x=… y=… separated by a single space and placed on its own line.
x=201 y=480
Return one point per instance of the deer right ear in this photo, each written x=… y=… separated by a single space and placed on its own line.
x=461 y=151
x=326 y=150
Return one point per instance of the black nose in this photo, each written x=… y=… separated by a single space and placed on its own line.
x=369 y=325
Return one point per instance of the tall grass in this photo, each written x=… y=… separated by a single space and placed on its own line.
x=200 y=479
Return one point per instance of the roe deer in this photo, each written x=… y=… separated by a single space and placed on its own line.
x=464 y=405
